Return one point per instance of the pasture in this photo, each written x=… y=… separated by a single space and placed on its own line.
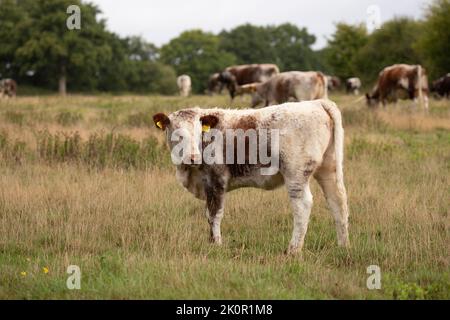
x=87 y=181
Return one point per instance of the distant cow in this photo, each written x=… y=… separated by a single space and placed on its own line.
x=442 y=86
x=333 y=83
x=214 y=84
x=8 y=88
x=400 y=81
x=310 y=143
x=297 y=85
x=184 y=85
x=235 y=76
x=353 y=85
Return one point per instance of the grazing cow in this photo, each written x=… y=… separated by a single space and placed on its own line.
x=8 y=88
x=309 y=143
x=442 y=86
x=215 y=85
x=334 y=82
x=184 y=85
x=353 y=85
x=235 y=76
x=400 y=81
x=297 y=85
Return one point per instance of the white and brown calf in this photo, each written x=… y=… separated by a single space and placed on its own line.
x=184 y=85
x=310 y=144
x=296 y=85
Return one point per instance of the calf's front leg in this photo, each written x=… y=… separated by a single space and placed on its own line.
x=215 y=196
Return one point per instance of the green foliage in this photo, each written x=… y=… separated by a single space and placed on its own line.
x=35 y=38
x=392 y=43
x=343 y=47
x=400 y=290
x=197 y=54
x=54 y=52
x=286 y=45
x=434 y=44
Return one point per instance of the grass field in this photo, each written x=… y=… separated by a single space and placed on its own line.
x=87 y=181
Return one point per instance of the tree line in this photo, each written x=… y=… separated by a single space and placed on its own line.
x=38 y=50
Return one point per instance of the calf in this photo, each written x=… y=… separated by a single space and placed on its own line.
x=398 y=82
x=297 y=85
x=8 y=88
x=184 y=85
x=306 y=138
x=442 y=86
x=353 y=85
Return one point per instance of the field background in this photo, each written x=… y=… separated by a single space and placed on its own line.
x=86 y=180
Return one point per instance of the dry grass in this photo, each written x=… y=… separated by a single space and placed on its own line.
x=137 y=234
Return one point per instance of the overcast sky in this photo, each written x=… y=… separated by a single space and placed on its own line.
x=158 y=21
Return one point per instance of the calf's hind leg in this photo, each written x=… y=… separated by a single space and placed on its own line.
x=301 y=201
x=336 y=196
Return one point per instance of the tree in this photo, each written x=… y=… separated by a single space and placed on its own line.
x=434 y=44
x=54 y=52
x=342 y=48
x=285 y=45
x=197 y=54
x=249 y=44
x=392 y=43
x=13 y=28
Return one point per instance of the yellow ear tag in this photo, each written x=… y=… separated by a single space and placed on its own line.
x=159 y=124
x=205 y=128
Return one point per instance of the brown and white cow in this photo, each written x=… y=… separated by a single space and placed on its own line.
x=296 y=85
x=184 y=85
x=8 y=88
x=334 y=83
x=235 y=76
x=309 y=143
x=400 y=81
x=352 y=85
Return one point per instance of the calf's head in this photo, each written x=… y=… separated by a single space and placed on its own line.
x=184 y=130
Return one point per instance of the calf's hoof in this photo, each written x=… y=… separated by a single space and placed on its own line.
x=292 y=250
x=216 y=240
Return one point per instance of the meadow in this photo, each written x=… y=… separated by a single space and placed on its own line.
x=87 y=181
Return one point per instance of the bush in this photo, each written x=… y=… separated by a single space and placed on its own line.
x=12 y=151
x=68 y=118
x=101 y=150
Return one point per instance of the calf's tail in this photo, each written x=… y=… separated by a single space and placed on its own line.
x=335 y=114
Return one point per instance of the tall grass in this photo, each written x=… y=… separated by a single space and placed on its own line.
x=135 y=233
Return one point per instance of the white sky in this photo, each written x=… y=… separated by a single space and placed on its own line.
x=158 y=21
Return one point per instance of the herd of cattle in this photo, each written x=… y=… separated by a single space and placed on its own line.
x=267 y=85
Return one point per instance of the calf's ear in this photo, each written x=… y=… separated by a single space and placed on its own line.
x=208 y=121
x=161 y=121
